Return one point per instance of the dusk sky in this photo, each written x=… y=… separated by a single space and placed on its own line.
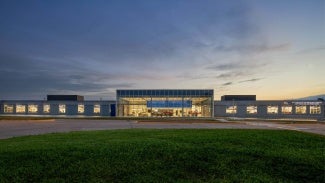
x=272 y=48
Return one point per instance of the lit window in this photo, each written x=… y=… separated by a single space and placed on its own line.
x=286 y=109
x=62 y=108
x=20 y=108
x=231 y=110
x=301 y=109
x=81 y=108
x=315 y=109
x=32 y=108
x=272 y=109
x=46 y=108
x=251 y=109
x=96 y=109
x=8 y=109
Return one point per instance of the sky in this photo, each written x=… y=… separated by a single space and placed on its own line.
x=274 y=49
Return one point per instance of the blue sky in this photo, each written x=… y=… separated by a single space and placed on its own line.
x=274 y=49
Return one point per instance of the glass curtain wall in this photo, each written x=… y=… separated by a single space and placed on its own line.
x=165 y=103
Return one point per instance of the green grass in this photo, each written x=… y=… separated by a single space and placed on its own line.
x=164 y=156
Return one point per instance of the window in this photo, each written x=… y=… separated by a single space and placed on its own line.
x=231 y=110
x=251 y=109
x=62 y=108
x=301 y=109
x=136 y=92
x=46 y=108
x=20 y=108
x=32 y=108
x=286 y=109
x=130 y=92
x=315 y=109
x=96 y=109
x=8 y=108
x=81 y=109
x=272 y=109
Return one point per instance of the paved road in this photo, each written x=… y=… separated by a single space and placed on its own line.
x=13 y=128
x=318 y=128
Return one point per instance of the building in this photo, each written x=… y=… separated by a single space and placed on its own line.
x=62 y=105
x=238 y=97
x=235 y=106
x=166 y=103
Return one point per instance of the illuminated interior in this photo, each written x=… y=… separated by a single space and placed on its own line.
x=20 y=108
x=96 y=109
x=315 y=109
x=46 y=108
x=251 y=109
x=32 y=108
x=301 y=109
x=231 y=109
x=8 y=108
x=272 y=109
x=81 y=108
x=168 y=104
x=286 y=110
x=62 y=108
x=164 y=107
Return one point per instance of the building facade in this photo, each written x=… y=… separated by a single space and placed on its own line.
x=166 y=103
x=57 y=108
x=275 y=109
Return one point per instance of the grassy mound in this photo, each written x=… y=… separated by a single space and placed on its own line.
x=164 y=156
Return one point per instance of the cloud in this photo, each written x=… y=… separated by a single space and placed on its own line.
x=311 y=50
x=227 y=66
x=224 y=85
x=127 y=44
x=19 y=73
x=243 y=81
x=193 y=76
x=227 y=84
x=233 y=75
x=250 y=80
x=253 y=48
x=243 y=64
x=114 y=34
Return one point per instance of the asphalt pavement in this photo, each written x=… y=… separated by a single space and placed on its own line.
x=14 y=128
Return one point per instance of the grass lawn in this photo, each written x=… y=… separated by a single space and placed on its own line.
x=138 y=155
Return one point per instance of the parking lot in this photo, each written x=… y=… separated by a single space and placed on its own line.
x=13 y=128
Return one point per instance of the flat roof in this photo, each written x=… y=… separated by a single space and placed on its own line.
x=65 y=98
x=165 y=92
